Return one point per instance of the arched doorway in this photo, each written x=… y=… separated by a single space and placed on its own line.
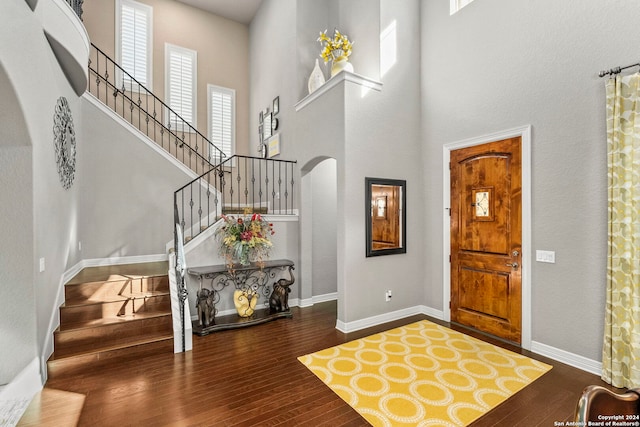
x=318 y=238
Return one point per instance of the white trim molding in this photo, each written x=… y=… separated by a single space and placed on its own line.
x=345 y=76
x=568 y=358
x=524 y=132
x=317 y=299
x=368 y=322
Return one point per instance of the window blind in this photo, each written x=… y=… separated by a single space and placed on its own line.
x=135 y=42
x=222 y=119
x=181 y=84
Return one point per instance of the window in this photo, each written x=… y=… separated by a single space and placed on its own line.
x=456 y=5
x=180 y=91
x=222 y=120
x=133 y=43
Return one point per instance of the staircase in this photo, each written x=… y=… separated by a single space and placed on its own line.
x=132 y=101
x=113 y=311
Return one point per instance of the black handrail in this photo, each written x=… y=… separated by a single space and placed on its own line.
x=144 y=117
x=239 y=183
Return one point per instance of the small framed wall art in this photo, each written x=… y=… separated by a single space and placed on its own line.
x=266 y=129
x=273 y=145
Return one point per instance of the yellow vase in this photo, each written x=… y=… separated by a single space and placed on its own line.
x=339 y=64
x=245 y=302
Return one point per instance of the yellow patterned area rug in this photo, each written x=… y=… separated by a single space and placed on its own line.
x=422 y=374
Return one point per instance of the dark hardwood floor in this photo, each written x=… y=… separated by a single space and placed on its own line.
x=251 y=377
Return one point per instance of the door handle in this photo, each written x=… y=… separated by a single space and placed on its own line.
x=513 y=265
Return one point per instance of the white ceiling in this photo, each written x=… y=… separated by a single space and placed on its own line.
x=241 y=11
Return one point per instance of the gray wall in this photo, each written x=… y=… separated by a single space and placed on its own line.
x=16 y=226
x=16 y=261
x=126 y=203
x=49 y=210
x=496 y=65
x=383 y=140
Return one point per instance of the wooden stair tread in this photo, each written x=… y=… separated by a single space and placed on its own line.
x=56 y=356
x=129 y=296
x=117 y=278
x=106 y=321
x=102 y=273
x=88 y=363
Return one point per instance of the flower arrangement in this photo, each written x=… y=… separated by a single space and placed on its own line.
x=338 y=47
x=245 y=239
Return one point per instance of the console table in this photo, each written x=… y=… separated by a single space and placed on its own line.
x=251 y=278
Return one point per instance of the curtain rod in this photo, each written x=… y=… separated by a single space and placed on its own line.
x=616 y=70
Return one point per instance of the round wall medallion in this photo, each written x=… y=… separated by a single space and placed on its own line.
x=64 y=141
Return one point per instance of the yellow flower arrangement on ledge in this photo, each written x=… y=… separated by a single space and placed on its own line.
x=336 y=48
x=245 y=239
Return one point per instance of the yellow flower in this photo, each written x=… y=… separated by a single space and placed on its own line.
x=335 y=48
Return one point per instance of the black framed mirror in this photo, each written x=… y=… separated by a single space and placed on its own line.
x=386 y=216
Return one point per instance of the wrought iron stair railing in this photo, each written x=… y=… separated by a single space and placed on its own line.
x=131 y=100
x=239 y=184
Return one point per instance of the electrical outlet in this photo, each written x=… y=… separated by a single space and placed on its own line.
x=41 y=265
x=387 y=296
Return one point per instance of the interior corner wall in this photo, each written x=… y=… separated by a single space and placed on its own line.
x=222 y=46
x=498 y=65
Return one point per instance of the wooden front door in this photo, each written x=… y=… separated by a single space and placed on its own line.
x=486 y=238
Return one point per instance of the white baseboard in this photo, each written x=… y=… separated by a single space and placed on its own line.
x=317 y=299
x=306 y=302
x=432 y=312
x=368 y=322
x=568 y=358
